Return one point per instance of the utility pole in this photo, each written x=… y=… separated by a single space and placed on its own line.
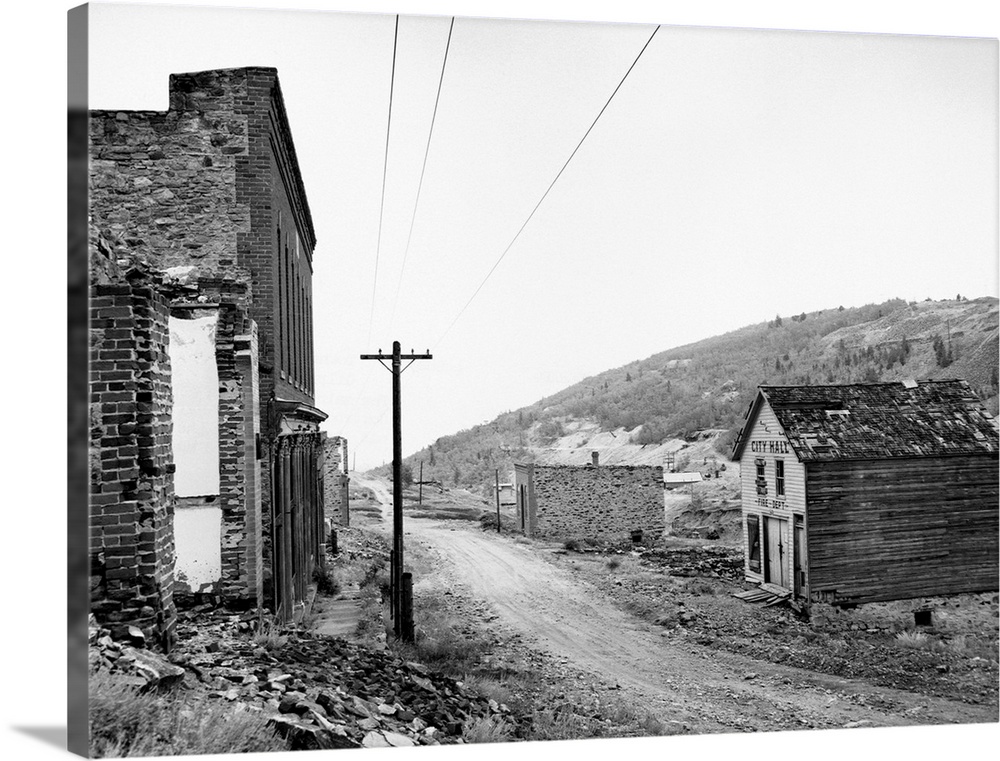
x=401 y=631
x=420 y=487
x=498 y=500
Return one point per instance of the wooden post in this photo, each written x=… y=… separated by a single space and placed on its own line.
x=392 y=585
x=498 y=499
x=420 y=498
x=287 y=592
x=406 y=608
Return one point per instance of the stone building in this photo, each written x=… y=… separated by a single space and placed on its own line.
x=604 y=502
x=204 y=427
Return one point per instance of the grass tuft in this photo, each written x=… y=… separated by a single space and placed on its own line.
x=125 y=722
x=269 y=635
x=487 y=729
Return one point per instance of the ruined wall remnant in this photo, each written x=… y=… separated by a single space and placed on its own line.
x=131 y=463
x=336 y=482
x=608 y=503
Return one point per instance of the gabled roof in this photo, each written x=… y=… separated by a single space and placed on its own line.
x=874 y=421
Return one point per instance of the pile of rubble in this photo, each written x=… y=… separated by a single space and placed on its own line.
x=711 y=561
x=319 y=692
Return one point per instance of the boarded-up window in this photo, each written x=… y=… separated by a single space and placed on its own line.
x=779 y=478
x=195 y=386
x=753 y=543
x=761 y=481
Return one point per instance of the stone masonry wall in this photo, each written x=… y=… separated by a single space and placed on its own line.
x=606 y=502
x=165 y=183
x=131 y=468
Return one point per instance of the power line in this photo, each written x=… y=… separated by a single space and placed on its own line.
x=540 y=200
x=423 y=169
x=385 y=166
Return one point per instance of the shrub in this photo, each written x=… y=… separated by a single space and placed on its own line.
x=326 y=582
x=613 y=563
x=573 y=545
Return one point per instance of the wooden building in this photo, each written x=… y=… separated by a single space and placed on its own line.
x=867 y=492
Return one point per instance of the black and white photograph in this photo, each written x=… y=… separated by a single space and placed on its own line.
x=467 y=378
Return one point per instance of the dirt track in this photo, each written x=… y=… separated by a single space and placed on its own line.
x=708 y=690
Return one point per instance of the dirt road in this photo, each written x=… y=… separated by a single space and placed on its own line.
x=708 y=690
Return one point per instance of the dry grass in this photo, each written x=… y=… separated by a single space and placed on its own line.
x=269 y=636
x=487 y=729
x=560 y=725
x=125 y=722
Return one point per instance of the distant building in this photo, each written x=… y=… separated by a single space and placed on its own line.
x=202 y=346
x=859 y=493
x=609 y=502
x=679 y=479
x=507 y=495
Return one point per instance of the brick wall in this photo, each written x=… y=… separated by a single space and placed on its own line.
x=606 y=502
x=131 y=489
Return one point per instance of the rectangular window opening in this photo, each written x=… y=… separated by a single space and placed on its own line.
x=753 y=543
x=779 y=478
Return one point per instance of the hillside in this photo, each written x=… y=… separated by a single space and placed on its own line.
x=648 y=408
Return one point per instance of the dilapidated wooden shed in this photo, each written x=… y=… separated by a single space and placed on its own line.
x=867 y=492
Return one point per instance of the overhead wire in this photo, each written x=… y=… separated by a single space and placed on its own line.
x=547 y=190
x=423 y=170
x=385 y=167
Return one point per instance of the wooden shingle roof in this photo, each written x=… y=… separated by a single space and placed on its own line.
x=878 y=420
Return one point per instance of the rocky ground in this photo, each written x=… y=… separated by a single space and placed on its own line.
x=687 y=589
x=319 y=692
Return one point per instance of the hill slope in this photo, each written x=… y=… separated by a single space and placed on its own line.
x=642 y=411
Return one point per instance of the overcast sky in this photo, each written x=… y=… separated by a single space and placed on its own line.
x=735 y=175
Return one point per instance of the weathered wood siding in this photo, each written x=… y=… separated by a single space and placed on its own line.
x=902 y=528
x=766 y=441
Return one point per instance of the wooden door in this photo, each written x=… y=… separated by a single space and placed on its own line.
x=774 y=562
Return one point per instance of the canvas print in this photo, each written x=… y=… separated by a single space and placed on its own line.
x=459 y=380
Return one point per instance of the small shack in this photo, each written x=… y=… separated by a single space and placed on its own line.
x=604 y=502
x=506 y=496
x=868 y=492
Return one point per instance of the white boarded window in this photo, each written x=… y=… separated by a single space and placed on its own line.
x=195 y=384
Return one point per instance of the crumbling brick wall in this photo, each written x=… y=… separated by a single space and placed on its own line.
x=131 y=488
x=608 y=502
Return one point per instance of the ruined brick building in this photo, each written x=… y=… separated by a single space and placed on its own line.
x=206 y=456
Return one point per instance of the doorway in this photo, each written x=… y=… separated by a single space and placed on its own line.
x=774 y=550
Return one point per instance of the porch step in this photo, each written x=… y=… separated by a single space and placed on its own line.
x=767 y=594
